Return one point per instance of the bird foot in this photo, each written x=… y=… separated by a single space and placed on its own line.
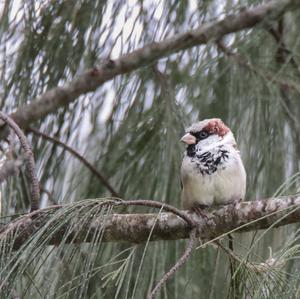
x=200 y=210
x=234 y=203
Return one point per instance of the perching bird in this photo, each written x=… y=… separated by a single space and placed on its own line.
x=212 y=172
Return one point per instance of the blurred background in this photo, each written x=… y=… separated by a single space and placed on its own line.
x=130 y=130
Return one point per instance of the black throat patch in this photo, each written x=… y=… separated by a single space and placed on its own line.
x=191 y=150
x=210 y=161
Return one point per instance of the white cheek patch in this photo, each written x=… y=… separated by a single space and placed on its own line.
x=208 y=142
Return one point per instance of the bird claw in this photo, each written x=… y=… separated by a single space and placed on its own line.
x=200 y=211
x=236 y=202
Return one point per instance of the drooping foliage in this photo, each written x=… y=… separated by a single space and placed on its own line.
x=130 y=128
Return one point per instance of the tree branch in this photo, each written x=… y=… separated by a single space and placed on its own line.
x=90 y=80
x=29 y=158
x=183 y=259
x=283 y=84
x=245 y=216
x=71 y=150
x=284 y=56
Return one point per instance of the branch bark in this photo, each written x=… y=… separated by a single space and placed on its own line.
x=90 y=80
x=245 y=216
x=29 y=158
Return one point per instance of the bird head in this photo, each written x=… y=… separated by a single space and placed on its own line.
x=207 y=134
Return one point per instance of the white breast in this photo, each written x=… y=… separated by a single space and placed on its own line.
x=226 y=184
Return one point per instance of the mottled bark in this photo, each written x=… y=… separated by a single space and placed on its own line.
x=167 y=226
x=90 y=80
x=136 y=227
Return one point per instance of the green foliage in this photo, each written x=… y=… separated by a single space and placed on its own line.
x=130 y=130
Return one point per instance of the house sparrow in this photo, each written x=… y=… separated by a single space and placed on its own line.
x=212 y=172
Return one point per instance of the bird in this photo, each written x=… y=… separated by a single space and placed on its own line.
x=212 y=171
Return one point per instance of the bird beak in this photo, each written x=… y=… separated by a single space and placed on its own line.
x=188 y=139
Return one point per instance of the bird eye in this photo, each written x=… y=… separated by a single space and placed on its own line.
x=201 y=135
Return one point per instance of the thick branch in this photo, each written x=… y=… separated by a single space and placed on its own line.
x=89 y=81
x=136 y=228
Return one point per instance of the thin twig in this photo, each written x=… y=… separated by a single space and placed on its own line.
x=213 y=287
x=189 y=248
x=285 y=56
x=71 y=150
x=179 y=263
x=159 y=205
x=245 y=63
x=283 y=51
x=35 y=189
x=230 y=252
x=49 y=194
x=283 y=85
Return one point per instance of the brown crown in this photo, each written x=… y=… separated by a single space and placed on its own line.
x=216 y=126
